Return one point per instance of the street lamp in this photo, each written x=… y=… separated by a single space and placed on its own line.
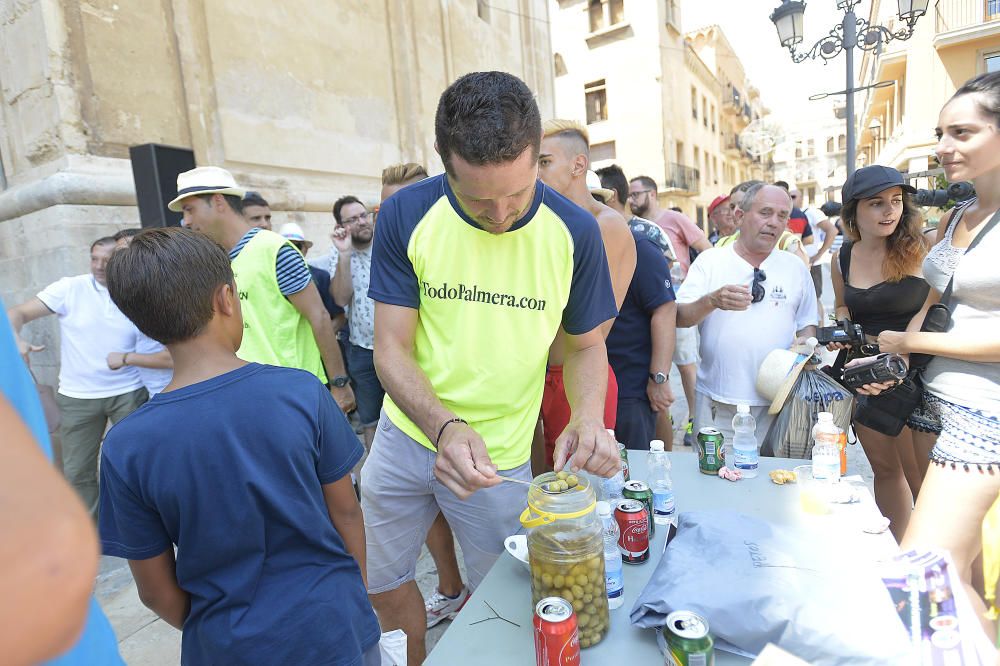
x=850 y=34
x=875 y=129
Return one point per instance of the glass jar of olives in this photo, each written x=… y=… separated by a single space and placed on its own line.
x=566 y=549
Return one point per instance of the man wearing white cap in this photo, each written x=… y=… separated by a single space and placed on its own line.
x=285 y=323
x=747 y=299
x=564 y=165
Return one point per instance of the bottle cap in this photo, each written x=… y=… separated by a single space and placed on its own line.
x=743 y=408
x=603 y=508
x=825 y=416
x=656 y=445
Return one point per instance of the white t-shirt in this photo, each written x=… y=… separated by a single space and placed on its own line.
x=154 y=379
x=819 y=236
x=734 y=344
x=91 y=327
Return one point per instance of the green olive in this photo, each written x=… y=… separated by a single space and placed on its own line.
x=561 y=475
x=584 y=643
x=559 y=580
x=582 y=579
x=588 y=597
x=547 y=580
x=578 y=605
x=572 y=480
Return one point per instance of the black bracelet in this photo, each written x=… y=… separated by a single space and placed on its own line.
x=445 y=425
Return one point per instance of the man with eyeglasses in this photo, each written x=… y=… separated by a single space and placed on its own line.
x=747 y=299
x=351 y=268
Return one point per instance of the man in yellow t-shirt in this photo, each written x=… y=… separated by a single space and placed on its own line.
x=474 y=272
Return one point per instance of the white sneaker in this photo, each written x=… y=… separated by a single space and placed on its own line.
x=440 y=608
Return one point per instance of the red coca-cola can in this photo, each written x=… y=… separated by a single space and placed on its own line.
x=633 y=525
x=557 y=638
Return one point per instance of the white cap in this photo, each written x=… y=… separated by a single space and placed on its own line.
x=293 y=231
x=656 y=445
x=825 y=416
x=204 y=180
x=594 y=185
x=743 y=408
x=603 y=508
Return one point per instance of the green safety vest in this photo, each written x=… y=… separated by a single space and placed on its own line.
x=274 y=331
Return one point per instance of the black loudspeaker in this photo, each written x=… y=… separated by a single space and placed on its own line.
x=154 y=170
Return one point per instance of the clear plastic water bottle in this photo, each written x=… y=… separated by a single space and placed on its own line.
x=660 y=483
x=676 y=274
x=611 y=489
x=745 y=456
x=614 y=579
x=826 y=452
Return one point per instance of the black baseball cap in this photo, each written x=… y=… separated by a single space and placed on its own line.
x=870 y=180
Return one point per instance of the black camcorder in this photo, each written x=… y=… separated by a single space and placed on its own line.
x=879 y=369
x=955 y=192
x=845 y=332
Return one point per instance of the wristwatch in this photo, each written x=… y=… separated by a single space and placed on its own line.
x=658 y=378
x=340 y=381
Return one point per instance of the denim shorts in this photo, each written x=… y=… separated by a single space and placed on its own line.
x=368 y=391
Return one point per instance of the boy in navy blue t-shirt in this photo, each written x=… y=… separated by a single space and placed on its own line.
x=244 y=467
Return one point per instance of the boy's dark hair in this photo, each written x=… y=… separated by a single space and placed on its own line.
x=165 y=279
x=103 y=240
x=487 y=118
x=234 y=201
x=677 y=209
x=782 y=184
x=613 y=178
x=254 y=199
x=126 y=233
x=646 y=182
x=343 y=201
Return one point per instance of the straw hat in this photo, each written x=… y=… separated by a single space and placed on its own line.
x=777 y=374
x=293 y=231
x=594 y=185
x=204 y=180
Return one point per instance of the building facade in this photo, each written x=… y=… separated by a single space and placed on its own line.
x=813 y=156
x=654 y=99
x=953 y=42
x=303 y=101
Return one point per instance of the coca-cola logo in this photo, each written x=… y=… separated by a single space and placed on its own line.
x=637 y=530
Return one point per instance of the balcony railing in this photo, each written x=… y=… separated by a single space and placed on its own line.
x=733 y=101
x=731 y=144
x=952 y=15
x=682 y=179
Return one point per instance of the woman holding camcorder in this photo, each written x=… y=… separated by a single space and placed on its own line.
x=878 y=284
x=959 y=327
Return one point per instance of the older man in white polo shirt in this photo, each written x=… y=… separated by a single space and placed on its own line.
x=746 y=299
x=90 y=393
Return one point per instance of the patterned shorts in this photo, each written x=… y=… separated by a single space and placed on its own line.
x=967 y=437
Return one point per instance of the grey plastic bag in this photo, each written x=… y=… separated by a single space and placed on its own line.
x=790 y=434
x=758 y=583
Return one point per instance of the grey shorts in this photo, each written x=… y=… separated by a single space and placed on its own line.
x=401 y=498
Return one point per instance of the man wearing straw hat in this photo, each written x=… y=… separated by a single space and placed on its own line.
x=284 y=320
x=747 y=299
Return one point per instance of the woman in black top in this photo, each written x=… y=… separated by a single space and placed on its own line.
x=877 y=283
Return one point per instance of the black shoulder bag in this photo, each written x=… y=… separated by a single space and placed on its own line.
x=887 y=412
